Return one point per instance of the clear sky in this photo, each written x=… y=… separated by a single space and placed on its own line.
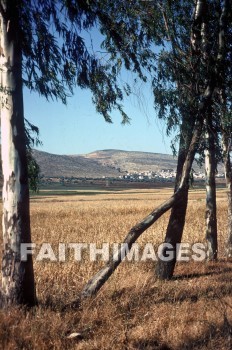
x=78 y=129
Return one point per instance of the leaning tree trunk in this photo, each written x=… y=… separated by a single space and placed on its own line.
x=165 y=269
x=17 y=276
x=210 y=185
x=226 y=144
x=97 y=281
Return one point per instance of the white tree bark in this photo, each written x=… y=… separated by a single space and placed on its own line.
x=17 y=276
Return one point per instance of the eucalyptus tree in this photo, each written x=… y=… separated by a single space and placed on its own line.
x=42 y=49
x=179 y=78
x=226 y=131
x=224 y=110
x=218 y=124
x=176 y=99
x=206 y=30
x=194 y=50
x=191 y=70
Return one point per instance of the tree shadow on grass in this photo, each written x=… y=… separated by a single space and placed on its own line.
x=199 y=274
x=191 y=269
x=150 y=344
x=215 y=337
x=153 y=296
x=171 y=294
x=156 y=295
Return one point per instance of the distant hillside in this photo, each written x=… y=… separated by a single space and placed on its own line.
x=133 y=161
x=109 y=163
x=102 y=163
x=53 y=165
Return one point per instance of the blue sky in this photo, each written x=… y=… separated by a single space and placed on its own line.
x=78 y=129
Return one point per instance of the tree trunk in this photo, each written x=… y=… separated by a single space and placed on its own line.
x=17 y=276
x=225 y=117
x=165 y=269
x=211 y=207
x=226 y=144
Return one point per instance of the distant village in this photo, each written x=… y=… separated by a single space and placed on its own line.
x=164 y=175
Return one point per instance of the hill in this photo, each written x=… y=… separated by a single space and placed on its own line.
x=53 y=165
x=109 y=163
x=132 y=161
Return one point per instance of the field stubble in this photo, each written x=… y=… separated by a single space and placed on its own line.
x=133 y=310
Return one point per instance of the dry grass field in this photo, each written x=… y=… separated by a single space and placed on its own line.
x=133 y=310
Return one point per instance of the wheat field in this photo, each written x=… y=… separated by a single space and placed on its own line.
x=133 y=310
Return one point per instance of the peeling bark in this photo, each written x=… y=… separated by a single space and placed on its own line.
x=210 y=185
x=17 y=276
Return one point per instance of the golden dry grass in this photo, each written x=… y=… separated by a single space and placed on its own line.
x=133 y=310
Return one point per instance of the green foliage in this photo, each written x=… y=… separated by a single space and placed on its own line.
x=33 y=169
x=33 y=173
x=183 y=71
x=57 y=57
